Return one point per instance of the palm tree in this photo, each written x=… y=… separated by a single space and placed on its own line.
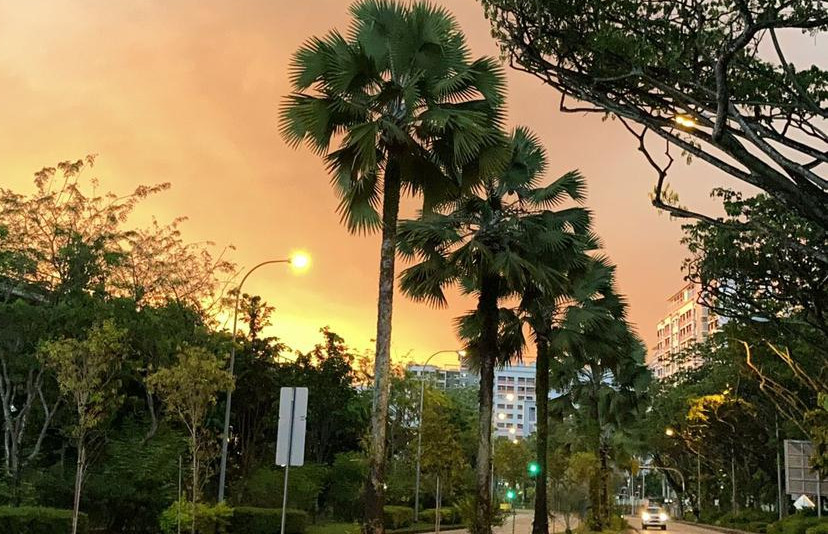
x=487 y=243
x=551 y=313
x=410 y=112
x=604 y=381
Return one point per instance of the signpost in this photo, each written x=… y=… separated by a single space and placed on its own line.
x=800 y=478
x=290 y=442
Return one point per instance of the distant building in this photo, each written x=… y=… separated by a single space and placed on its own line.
x=515 y=403
x=687 y=322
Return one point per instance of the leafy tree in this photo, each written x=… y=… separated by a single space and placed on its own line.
x=188 y=389
x=695 y=74
x=86 y=372
x=410 y=109
x=442 y=453
x=488 y=243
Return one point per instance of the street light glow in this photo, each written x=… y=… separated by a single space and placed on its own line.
x=685 y=120
x=461 y=353
x=300 y=260
x=510 y=397
x=501 y=416
x=670 y=432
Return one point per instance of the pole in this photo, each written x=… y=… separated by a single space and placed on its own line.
x=437 y=515
x=225 y=435
x=514 y=518
x=419 y=450
x=289 y=458
x=698 y=481
x=420 y=431
x=178 y=514
x=778 y=469
x=819 y=496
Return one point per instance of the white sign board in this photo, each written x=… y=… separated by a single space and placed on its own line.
x=803 y=502
x=293 y=412
x=800 y=479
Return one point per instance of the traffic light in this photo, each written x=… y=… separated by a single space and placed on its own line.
x=510 y=495
x=533 y=468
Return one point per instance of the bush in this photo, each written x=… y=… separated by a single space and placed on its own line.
x=821 y=528
x=397 y=516
x=345 y=480
x=448 y=516
x=249 y=520
x=34 y=520
x=794 y=524
x=264 y=486
x=208 y=519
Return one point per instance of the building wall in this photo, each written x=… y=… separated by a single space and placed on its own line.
x=685 y=324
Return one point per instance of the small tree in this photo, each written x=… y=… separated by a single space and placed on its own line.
x=87 y=372
x=189 y=389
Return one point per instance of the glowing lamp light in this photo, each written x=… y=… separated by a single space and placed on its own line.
x=515 y=441
x=461 y=353
x=533 y=468
x=685 y=120
x=300 y=261
x=512 y=430
x=510 y=495
x=670 y=432
x=510 y=397
x=501 y=416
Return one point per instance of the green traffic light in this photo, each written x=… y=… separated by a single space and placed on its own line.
x=534 y=469
x=510 y=495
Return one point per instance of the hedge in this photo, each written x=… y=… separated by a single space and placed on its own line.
x=35 y=520
x=448 y=516
x=208 y=519
x=795 y=524
x=250 y=520
x=397 y=516
x=821 y=528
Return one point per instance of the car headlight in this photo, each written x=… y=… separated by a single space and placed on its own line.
x=645 y=516
x=662 y=517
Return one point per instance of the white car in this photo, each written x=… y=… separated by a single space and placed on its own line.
x=653 y=517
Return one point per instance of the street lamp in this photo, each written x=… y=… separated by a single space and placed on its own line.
x=299 y=261
x=460 y=353
x=670 y=433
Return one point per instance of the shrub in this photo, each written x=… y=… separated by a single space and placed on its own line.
x=345 y=480
x=821 y=528
x=249 y=520
x=264 y=486
x=208 y=519
x=397 y=516
x=448 y=516
x=34 y=520
x=794 y=524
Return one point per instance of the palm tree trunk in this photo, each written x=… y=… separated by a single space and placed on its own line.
x=487 y=308
x=374 y=486
x=540 y=523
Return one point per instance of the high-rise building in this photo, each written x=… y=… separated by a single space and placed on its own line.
x=444 y=377
x=687 y=322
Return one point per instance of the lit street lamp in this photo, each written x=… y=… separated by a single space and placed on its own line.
x=299 y=261
x=460 y=353
x=669 y=432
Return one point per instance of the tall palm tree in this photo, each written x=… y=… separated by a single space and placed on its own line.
x=487 y=243
x=604 y=381
x=410 y=111
x=551 y=313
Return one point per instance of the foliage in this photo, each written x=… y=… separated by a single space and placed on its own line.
x=346 y=475
x=34 y=520
x=448 y=516
x=397 y=516
x=305 y=484
x=248 y=520
x=796 y=524
x=204 y=518
x=411 y=111
x=695 y=74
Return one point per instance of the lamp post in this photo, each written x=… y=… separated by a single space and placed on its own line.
x=420 y=428
x=670 y=433
x=299 y=261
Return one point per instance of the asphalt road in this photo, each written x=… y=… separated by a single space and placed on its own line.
x=523 y=525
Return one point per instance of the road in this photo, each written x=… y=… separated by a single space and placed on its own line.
x=523 y=525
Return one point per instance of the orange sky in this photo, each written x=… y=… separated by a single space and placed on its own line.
x=187 y=92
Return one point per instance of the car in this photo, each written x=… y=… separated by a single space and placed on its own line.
x=653 y=517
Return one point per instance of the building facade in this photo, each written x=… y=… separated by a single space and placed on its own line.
x=687 y=322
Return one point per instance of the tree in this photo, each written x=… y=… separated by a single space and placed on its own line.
x=410 y=109
x=188 y=389
x=86 y=372
x=695 y=74
x=442 y=453
x=487 y=243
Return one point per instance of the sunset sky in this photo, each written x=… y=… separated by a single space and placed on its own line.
x=188 y=91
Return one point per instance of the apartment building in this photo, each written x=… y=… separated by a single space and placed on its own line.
x=687 y=322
